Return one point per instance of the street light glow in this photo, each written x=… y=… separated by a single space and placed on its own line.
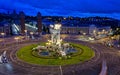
x=2 y=34
x=31 y=33
x=25 y=31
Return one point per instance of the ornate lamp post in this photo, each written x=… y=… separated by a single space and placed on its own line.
x=31 y=33
x=16 y=39
x=26 y=34
x=94 y=33
x=3 y=34
x=103 y=31
x=84 y=34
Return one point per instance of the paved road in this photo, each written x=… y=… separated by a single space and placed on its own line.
x=92 y=67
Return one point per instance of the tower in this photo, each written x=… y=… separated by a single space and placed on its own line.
x=22 y=22
x=39 y=22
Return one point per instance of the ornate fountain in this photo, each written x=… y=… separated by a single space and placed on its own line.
x=55 y=43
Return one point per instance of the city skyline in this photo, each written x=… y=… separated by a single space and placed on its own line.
x=76 y=8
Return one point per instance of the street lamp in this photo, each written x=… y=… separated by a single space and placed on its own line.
x=84 y=34
x=103 y=31
x=25 y=34
x=31 y=33
x=94 y=33
x=3 y=34
x=16 y=39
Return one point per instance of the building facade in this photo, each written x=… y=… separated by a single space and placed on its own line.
x=5 y=28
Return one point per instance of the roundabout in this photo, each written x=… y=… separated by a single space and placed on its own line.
x=16 y=66
x=55 y=51
x=57 y=57
x=82 y=54
x=31 y=68
x=53 y=57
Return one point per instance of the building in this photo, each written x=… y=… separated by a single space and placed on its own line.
x=5 y=28
x=86 y=29
x=74 y=30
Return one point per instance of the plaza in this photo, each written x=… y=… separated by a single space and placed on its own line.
x=15 y=66
x=33 y=53
x=59 y=37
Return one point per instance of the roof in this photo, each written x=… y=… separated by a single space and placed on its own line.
x=5 y=23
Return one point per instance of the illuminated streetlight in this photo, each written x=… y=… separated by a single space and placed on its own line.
x=16 y=39
x=25 y=34
x=31 y=33
x=117 y=29
x=3 y=34
x=103 y=31
x=84 y=34
x=94 y=33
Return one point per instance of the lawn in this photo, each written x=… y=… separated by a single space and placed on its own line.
x=25 y=54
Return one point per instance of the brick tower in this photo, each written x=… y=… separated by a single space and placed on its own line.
x=22 y=22
x=39 y=22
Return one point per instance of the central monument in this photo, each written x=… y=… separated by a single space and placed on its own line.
x=55 y=38
x=54 y=46
x=55 y=34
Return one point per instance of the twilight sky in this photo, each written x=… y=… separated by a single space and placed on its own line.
x=80 y=8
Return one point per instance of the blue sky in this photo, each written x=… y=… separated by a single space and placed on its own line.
x=80 y=8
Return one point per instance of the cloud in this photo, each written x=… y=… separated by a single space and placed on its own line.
x=64 y=7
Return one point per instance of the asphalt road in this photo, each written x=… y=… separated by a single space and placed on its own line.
x=92 y=67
